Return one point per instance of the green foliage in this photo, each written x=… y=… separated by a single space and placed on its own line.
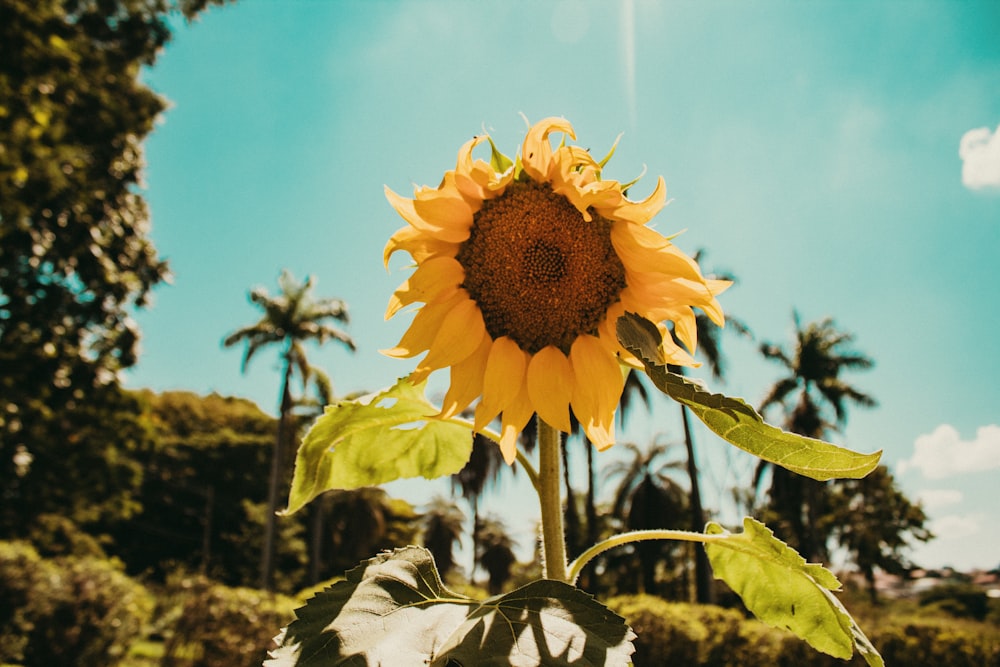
x=702 y=635
x=958 y=600
x=77 y=612
x=205 y=471
x=874 y=521
x=681 y=634
x=738 y=423
x=781 y=589
x=82 y=462
x=395 y=610
x=394 y=436
x=217 y=626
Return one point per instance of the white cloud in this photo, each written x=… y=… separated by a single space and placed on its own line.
x=932 y=499
x=980 y=153
x=956 y=527
x=942 y=453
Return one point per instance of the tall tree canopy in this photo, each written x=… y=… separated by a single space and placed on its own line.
x=75 y=253
x=814 y=380
x=290 y=319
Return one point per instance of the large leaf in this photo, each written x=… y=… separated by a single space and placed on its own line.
x=785 y=591
x=394 y=610
x=393 y=436
x=737 y=422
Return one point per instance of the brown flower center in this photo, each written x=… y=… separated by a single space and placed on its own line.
x=540 y=273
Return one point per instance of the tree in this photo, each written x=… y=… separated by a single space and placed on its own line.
x=647 y=497
x=496 y=553
x=362 y=522
x=290 y=319
x=481 y=471
x=875 y=522
x=821 y=354
x=75 y=253
x=443 y=524
x=710 y=349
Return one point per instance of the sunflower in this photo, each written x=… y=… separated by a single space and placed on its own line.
x=523 y=268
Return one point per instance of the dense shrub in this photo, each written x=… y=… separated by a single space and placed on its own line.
x=680 y=634
x=76 y=612
x=684 y=634
x=213 y=625
x=959 y=600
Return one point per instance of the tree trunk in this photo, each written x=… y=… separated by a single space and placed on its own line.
x=274 y=483
x=704 y=588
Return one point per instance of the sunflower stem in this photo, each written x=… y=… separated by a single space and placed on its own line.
x=550 y=499
x=634 y=536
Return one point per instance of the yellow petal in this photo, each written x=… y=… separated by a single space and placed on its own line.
x=515 y=416
x=536 y=151
x=424 y=328
x=419 y=245
x=643 y=249
x=597 y=388
x=639 y=212
x=503 y=379
x=466 y=381
x=460 y=333
x=432 y=277
x=443 y=217
x=550 y=386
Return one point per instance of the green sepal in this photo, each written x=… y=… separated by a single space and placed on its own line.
x=781 y=589
x=393 y=436
x=394 y=610
x=498 y=161
x=738 y=423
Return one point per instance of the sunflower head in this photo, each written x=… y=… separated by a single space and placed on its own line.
x=523 y=268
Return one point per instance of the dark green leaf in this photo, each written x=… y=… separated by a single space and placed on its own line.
x=737 y=422
x=785 y=591
x=394 y=436
x=394 y=610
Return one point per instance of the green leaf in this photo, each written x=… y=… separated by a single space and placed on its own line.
x=394 y=436
x=394 y=610
x=738 y=423
x=781 y=589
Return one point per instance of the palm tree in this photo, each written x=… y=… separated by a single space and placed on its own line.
x=496 y=553
x=481 y=471
x=290 y=319
x=443 y=523
x=821 y=353
x=647 y=497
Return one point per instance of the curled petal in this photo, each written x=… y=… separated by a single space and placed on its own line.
x=550 y=386
x=536 y=151
x=639 y=212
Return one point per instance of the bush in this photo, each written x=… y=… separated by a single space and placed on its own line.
x=685 y=634
x=218 y=626
x=78 y=612
x=680 y=634
x=958 y=600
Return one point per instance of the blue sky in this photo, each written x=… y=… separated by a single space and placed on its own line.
x=839 y=158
